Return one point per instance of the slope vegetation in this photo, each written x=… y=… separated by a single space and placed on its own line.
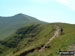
x=10 y=24
x=27 y=41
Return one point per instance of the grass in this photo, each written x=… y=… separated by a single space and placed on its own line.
x=8 y=25
x=35 y=35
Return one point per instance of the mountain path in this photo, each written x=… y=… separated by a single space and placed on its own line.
x=56 y=34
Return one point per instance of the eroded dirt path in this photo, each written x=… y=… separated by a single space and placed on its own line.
x=42 y=47
x=56 y=34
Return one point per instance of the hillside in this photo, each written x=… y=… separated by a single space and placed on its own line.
x=28 y=40
x=10 y=24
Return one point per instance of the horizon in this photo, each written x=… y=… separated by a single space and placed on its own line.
x=36 y=18
x=45 y=10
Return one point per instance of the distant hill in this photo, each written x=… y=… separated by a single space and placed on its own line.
x=9 y=24
x=28 y=40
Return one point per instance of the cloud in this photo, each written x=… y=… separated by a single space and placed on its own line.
x=68 y=3
x=62 y=1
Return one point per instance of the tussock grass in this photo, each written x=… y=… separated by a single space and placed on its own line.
x=37 y=35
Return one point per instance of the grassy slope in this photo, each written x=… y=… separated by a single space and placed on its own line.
x=8 y=25
x=39 y=35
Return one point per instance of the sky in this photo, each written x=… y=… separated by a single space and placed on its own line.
x=45 y=10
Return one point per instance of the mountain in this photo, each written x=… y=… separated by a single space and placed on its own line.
x=28 y=40
x=9 y=24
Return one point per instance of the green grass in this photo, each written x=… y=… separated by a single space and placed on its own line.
x=8 y=25
x=39 y=34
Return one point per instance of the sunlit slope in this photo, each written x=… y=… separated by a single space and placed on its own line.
x=28 y=40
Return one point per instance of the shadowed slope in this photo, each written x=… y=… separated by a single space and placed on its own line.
x=10 y=24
